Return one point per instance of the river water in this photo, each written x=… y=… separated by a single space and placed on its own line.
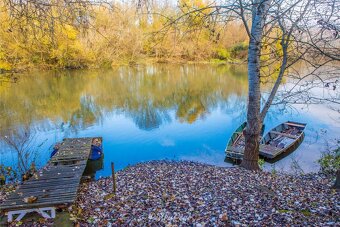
x=156 y=112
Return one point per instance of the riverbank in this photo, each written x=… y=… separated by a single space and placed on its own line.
x=147 y=61
x=189 y=193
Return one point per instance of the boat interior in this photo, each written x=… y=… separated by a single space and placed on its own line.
x=283 y=135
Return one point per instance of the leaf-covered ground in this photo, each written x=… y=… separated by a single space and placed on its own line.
x=166 y=193
x=185 y=193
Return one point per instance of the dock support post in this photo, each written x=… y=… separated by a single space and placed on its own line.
x=21 y=213
x=113 y=177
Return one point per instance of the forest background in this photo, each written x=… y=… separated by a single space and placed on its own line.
x=105 y=35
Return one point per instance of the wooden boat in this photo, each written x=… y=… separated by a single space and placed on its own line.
x=284 y=138
x=235 y=146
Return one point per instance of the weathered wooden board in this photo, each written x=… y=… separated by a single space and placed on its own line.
x=269 y=151
x=57 y=183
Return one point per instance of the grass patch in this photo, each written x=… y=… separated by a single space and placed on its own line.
x=283 y=211
x=306 y=212
x=217 y=61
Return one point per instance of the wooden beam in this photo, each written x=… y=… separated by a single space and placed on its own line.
x=284 y=134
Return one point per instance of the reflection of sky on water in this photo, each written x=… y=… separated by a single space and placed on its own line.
x=137 y=125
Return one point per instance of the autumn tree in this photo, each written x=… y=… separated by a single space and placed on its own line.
x=302 y=40
x=283 y=35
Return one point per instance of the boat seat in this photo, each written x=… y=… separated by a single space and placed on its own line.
x=284 y=134
x=294 y=124
x=238 y=150
x=269 y=151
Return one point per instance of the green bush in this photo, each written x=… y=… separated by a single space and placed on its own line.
x=222 y=54
x=240 y=50
x=330 y=160
x=261 y=163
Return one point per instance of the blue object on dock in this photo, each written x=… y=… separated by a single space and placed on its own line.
x=96 y=152
x=55 y=150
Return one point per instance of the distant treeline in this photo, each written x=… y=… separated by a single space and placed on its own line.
x=101 y=36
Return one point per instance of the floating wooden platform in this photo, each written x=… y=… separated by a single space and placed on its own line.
x=55 y=184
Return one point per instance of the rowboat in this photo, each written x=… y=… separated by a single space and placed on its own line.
x=235 y=147
x=284 y=138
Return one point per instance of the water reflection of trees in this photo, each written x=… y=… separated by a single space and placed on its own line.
x=147 y=117
x=146 y=94
x=87 y=114
x=20 y=140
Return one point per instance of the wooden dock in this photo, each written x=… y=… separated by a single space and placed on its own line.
x=54 y=185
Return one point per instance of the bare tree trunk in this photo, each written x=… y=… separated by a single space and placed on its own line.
x=276 y=85
x=251 y=152
x=286 y=36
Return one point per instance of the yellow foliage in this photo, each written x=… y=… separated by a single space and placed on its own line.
x=272 y=55
x=115 y=37
x=70 y=32
x=5 y=66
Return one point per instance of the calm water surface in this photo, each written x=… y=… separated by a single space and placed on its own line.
x=147 y=113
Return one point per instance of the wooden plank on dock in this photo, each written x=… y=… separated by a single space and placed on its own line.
x=57 y=183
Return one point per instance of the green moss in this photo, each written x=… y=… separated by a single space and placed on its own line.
x=306 y=212
x=314 y=204
x=3 y=221
x=261 y=162
x=283 y=211
x=63 y=219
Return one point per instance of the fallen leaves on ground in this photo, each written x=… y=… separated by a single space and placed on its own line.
x=161 y=193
